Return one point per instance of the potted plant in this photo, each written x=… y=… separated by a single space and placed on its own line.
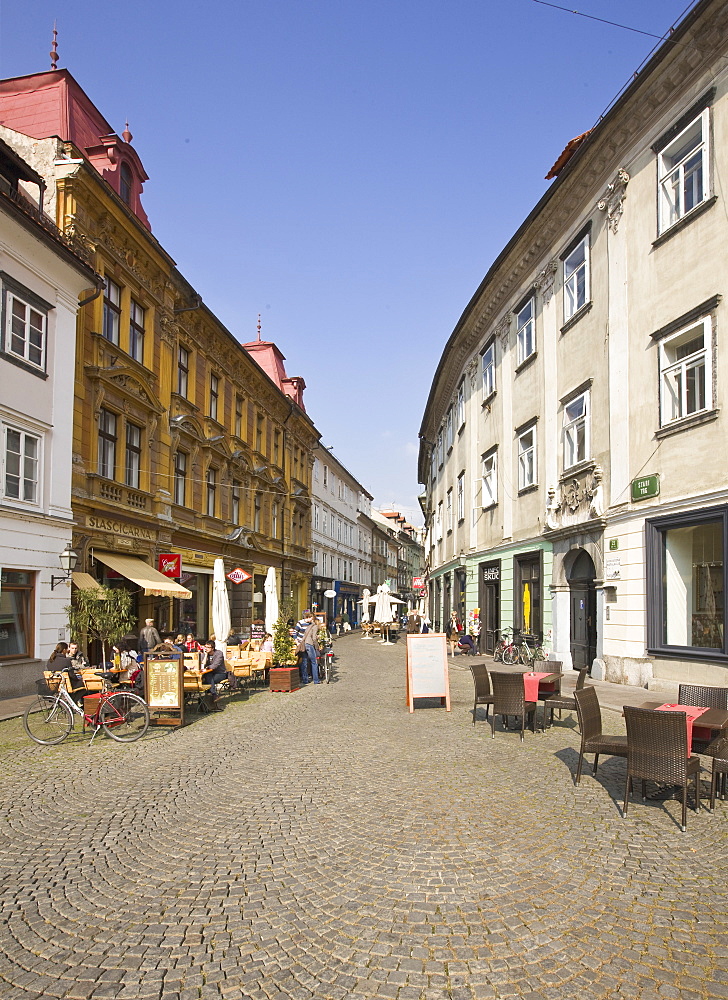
x=284 y=675
x=101 y=613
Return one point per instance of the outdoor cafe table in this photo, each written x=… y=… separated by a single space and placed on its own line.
x=700 y=724
x=540 y=683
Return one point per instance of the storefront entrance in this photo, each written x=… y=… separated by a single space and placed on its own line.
x=583 y=606
x=489 y=600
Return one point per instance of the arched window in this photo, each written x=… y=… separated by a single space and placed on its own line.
x=125 y=183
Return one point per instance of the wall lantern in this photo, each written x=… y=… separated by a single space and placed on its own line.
x=68 y=559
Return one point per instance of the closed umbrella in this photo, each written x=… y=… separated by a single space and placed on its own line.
x=271 y=600
x=366 y=594
x=220 y=605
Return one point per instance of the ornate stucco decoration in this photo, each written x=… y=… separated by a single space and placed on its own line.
x=502 y=329
x=472 y=370
x=613 y=201
x=580 y=499
x=545 y=280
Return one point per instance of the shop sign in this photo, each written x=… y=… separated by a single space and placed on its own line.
x=418 y=583
x=238 y=575
x=170 y=564
x=118 y=527
x=645 y=488
x=491 y=574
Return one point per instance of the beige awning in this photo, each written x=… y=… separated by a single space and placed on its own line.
x=155 y=584
x=84 y=581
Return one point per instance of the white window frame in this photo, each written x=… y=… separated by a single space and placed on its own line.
x=677 y=372
x=527 y=457
x=25 y=335
x=460 y=497
x=460 y=406
x=571 y=428
x=17 y=461
x=526 y=330
x=573 y=301
x=111 y=321
x=449 y=435
x=137 y=330
x=438 y=523
x=489 y=479
x=448 y=509
x=108 y=444
x=487 y=369
x=672 y=178
x=440 y=448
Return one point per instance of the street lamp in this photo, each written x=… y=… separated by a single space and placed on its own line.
x=68 y=559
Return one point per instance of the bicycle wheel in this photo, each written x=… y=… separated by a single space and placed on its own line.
x=329 y=661
x=510 y=654
x=525 y=656
x=124 y=717
x=47 y=721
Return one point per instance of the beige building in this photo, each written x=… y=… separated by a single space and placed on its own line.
x=572 y=447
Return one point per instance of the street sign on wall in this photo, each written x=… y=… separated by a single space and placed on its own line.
x=645 y=488
x=418 y=583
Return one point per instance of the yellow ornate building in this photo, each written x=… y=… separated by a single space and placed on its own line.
x=186 y=442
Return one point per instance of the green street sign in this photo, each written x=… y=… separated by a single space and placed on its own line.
x=613 y=544
x=645 y=488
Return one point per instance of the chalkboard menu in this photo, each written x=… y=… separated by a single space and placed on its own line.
x=427 y=674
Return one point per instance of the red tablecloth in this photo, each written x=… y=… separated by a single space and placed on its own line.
x=530 y=684
x=692 y=714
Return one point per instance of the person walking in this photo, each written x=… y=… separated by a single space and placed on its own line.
x=453 y=631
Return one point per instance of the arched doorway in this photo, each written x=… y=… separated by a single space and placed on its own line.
x=583 y=602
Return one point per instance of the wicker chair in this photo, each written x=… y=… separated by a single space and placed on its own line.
x=718 y=750
x=509 y=699
x=483 y=692
x=703 y=696
x=590 y=726
x=657 y=750
x=555 y=699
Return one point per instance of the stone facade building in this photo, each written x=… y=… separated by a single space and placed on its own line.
x=572 y=447
x=185 y=442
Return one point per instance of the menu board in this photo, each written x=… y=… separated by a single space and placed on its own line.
x=164 y=688
x=427 y=674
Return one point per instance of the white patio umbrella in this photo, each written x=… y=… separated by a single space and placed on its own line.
x=220 y=605
x=366 y=594
x=383 y=613
x=271 y=600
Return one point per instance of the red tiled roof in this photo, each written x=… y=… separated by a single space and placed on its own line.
x=568 y=152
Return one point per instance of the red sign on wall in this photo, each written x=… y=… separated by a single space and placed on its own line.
x=238 y=575
x=170 y=564
x=418 y=583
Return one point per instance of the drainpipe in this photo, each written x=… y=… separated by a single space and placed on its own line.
x=90 y=298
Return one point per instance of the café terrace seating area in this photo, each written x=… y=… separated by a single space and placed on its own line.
x=246 y=661
x=666 y=746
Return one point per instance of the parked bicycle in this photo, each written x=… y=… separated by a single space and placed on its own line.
x=506 y=649
x=122 y=715
x=528 y=654
x=327 y=661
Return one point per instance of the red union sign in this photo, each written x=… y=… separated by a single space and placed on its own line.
x=418 y=583
x=238 y=575
x=170 y=564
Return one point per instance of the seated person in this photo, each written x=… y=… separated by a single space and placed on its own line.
x=169 y=640
x=214 y=670
x=59 y=660
x=267 y=646
x=76 y=656
x=191 y=645
x=179 y=641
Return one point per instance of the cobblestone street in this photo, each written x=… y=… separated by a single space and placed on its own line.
x=328 y=844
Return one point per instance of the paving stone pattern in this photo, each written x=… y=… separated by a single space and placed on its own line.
x=327 y=844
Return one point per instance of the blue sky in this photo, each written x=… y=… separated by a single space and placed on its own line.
x=347 y=168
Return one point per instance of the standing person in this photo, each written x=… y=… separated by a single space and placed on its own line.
x=414 y=623
x=306 y=636
x=213 y=666
x=453 y=631
x=148 y=637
